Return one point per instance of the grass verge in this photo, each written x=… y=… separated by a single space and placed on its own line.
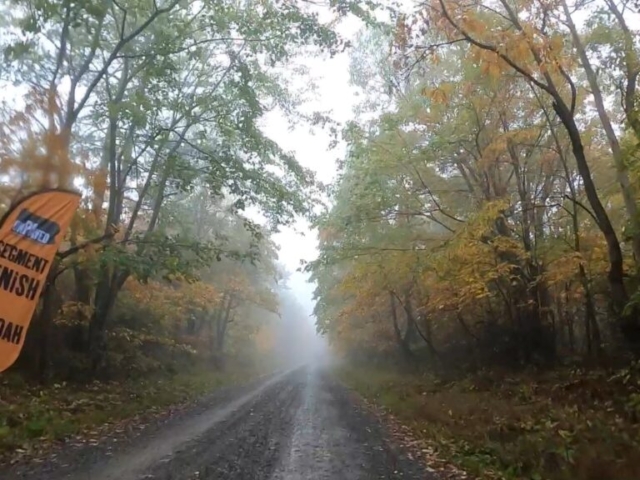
x=33 y=418
x=563 y=425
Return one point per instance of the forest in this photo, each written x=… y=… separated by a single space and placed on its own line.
x=484 y=238
x=479 y=251
x=168 y=281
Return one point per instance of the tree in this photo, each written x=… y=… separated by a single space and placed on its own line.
x=465 y=221
x=140 y=100
x=535 y=50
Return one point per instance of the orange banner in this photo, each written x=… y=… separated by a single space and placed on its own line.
x=30 y=234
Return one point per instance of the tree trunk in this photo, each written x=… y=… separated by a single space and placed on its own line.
x=49 y=308
x=50 y=305
x=411 y=323
x=627 y=321
x=221 y=330
x=405 y=349
x=571 y=334
x=103 y=302
x=592 y=330
x=628 y=194
x=562 y=321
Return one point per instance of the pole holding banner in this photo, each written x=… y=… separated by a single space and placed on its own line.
x=30 y=235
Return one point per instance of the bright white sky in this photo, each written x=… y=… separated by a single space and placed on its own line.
x=334 y=93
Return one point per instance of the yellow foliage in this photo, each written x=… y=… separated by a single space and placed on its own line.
x=34 y=154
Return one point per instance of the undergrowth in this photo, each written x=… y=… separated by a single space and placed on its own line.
x=562 y=425
x=33 y=418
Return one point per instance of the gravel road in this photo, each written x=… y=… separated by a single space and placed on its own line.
x=296 y=425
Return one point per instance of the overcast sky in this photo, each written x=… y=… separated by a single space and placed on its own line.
x=334 y=93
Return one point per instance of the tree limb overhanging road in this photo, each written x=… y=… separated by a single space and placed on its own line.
x=295 y=425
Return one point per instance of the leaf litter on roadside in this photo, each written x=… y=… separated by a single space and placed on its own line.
x=417 y=449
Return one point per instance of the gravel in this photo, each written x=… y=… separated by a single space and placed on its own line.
x=295 y=425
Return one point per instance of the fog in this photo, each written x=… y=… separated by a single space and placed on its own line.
x=335 y=95
x=295 y=339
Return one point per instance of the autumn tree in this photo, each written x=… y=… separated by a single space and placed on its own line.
x=541 y=51
x=467 y=204
x=149 y=102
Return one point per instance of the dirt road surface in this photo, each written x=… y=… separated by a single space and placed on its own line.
x=296 y=425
